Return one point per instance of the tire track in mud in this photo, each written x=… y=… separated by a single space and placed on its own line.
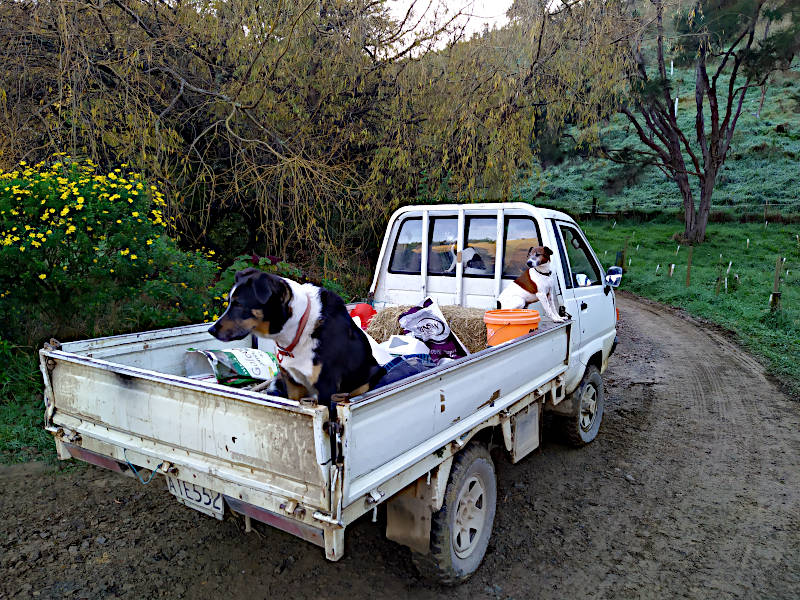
x=691 y=489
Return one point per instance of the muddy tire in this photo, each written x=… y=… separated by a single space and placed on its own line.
x=461 y=529
x=581 y=428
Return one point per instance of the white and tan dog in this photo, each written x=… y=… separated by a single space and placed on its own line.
x=537 y=283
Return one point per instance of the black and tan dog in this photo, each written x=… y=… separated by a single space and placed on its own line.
x=320 y=349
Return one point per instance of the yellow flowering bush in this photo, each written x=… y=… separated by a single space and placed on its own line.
x=85 y=252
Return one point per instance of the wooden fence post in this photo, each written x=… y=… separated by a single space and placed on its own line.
x=625 y=253
x=775 y=297
x=689 y=266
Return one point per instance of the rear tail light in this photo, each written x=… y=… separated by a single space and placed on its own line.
x=617 y=314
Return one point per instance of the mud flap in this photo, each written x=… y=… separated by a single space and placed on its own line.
x=409 y=512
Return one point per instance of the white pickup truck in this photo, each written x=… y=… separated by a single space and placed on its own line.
x=420 y=446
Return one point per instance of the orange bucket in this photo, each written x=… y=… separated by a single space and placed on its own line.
x=507 y=324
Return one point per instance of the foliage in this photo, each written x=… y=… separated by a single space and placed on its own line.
x=85 y=253
x=278 y=267
x=744 y=307
x=291 y=129
x=21 y=408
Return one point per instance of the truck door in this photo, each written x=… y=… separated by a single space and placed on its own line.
x=585 y=297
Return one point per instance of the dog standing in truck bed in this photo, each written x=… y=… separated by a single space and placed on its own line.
x=321 y=350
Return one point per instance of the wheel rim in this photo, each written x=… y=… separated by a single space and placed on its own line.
x=471 y=514
x=588 y=407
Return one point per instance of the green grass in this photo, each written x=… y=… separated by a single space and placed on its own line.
x=22 y=436
x=744 y=307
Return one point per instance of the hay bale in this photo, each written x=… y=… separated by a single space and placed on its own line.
x=466 y=323
x=384 y=324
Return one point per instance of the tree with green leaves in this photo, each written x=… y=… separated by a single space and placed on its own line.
x=292 y=129
x=735 y=46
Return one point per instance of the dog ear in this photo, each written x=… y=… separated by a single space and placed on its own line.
x=530 y=250
x=263 y=287
x=548 y=252
x=244 y=274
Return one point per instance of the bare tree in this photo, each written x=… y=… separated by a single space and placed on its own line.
x=729 y=60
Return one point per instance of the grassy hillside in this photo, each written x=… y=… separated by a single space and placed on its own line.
x=763 y=164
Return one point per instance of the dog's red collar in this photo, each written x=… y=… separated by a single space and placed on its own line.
x=283 y=352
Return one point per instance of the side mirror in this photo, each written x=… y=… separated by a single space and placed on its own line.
x=614 y=276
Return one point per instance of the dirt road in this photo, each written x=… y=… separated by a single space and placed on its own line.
x=692 y=489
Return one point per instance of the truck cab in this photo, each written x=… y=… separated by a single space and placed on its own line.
x=468 y=254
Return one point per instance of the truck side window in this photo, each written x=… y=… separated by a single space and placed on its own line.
x=481 y=247
x=584 y=271
x=407 y=252
x=521 y=234
x=442 y=249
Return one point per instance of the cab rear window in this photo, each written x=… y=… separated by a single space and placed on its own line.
x=407 y=251
x=480 y=246
x=521 y=234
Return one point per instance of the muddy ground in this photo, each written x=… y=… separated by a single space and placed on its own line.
x=692 y=489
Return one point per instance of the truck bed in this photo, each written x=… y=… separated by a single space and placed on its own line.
x=122 y=400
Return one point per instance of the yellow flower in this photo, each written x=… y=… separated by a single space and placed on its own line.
x=135 y=213
x=70 y=229
x=133 y=257
x=42 y=276
x=149 y=242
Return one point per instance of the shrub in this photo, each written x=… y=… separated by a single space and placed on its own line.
x=85 y=253
x=271 y=265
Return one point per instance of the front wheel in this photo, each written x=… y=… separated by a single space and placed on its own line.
x=461 y=529
x=581 y=428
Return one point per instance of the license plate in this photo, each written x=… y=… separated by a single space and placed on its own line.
x=197 y=497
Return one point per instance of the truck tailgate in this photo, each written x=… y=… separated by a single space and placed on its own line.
x=258 y=448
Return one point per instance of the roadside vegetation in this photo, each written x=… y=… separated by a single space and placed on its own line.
x=741 y=306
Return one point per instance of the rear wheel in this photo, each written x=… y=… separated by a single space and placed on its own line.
x=461 y=529
x=581 y=428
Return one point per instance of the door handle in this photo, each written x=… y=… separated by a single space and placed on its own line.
x=584 y=306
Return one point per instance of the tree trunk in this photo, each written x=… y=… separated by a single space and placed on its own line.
x=763 y=97
x=704 y=210
x=689 y=214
